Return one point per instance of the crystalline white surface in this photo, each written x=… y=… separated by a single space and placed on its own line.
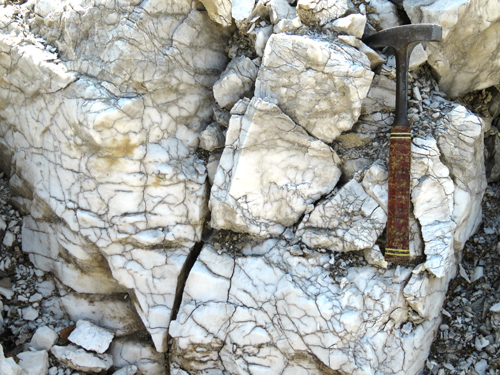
x=246 y=197
x=322 y=90
x=91 y=336
x=287 y=304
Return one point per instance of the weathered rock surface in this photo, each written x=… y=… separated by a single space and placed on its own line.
x=127 y=352
x=81 y=360
x=350 y=220
x=9 y=367
x=111 y=154
x=91 y=337
x=468 y=57
x=264 y=201
x=34 y=363
x=353 y=24
x=96 y=308
x=219 y=11
x=44 y=339
x=383 y=14
x=102 y=109
x=237 y=80
x=320 y=12
x=212 y=138
x=324 y=87
x=275 y=308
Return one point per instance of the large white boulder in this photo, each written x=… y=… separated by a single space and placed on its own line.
x=268 y=176
x=324 y=87
x=468 y=58
x=273 y=307
x=105 y=167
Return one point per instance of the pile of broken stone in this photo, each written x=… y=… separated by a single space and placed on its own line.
x=102 y=116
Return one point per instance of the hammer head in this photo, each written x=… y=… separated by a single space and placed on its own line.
x=401 y=36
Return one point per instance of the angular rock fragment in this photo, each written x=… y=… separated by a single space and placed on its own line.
x=383 y=14
x=418 y=57
x=30 y=313
x=235 y=82
x=81 y=360
x=212 y=138
x=320 y=12
x=459 y=135
x=219 y=11
x=426 y=293
x=44 y=339
x=350 y=220
x=241 y=10
x=9 y=367
x=324 y=87
x=261 y=36
x=375 y=257
x=381 y=96
x=432 y=198
x=495 y=316
x=91 y=336
x=353 y=24
x=127 y=352
x=34 y=363
x=374 y=57
x=270 y=172
x=280 y=10
x=467 y=58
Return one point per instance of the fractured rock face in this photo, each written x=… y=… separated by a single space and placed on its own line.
x=81 y=360
x=322 y=89
x=320 y=12
x=111 y=155
x=219 y=11
x=91 y=337
x=383 y=14
x=460 y=138
x=468 y=57
x=350 y=220
x=236 y=81
x=270 y=172
x=34 y=363
x=279 y=311
x=432 y=197
x=128 y=352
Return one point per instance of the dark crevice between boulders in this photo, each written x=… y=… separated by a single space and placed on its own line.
x=186 y=269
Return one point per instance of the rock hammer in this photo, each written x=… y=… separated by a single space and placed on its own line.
x=402 y=40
